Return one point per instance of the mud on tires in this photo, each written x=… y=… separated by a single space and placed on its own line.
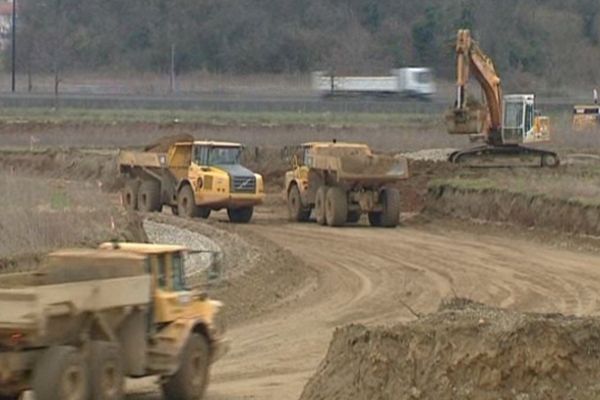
x=240 y=215
x=320 y=205
x=191 y=379
x=61 y=374
x=186 y=203
x=129 y=195
x=107 y=379
x=296 y=210
x=149 y=196
x=336 y=206
x=389 y=216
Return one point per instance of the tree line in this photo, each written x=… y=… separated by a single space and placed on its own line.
x=527 y=38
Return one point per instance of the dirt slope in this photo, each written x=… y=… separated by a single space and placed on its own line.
x=465 y=350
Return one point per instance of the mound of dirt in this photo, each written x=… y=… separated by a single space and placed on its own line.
x=68 y=164
x=161 y=145
x=464 y=351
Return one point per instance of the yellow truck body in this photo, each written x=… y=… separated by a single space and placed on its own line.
x=193 y=178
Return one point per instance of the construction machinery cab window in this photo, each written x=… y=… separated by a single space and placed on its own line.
x=201 y=155
x=513 y=121
x=219 y=155
x=161 y=273
x=178 y=273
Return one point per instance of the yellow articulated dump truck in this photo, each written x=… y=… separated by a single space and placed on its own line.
x=339 y=182
x=193 y=178
x=88 y=318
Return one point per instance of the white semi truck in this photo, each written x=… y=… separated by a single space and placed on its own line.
x=409 y=82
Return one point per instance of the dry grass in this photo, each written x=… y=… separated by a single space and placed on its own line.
x=580 y=183
x=40 y=215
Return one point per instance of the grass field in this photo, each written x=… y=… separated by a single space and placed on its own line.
x=48 y=115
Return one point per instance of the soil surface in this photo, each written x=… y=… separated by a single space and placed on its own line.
x=307 y=280
x=364 y=275
x=467 y=351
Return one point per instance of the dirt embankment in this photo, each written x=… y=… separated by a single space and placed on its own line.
x=529 y=210
x=464 y=351
x=71 y=164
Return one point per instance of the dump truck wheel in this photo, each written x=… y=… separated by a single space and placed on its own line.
x=375 y=218
x=129 y=195
x=186 y=204
x=60 y=374
x=320 y=205
x=191 y=379
x=296 y=210
x=106 y=371
x=353 y=217
x=390 y=216
x=10 y=397
x=240 y=215
x=336 y=206
x=204 y=212
x=149 y=196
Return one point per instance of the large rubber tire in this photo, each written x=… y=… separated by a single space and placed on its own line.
x=353 y=217
x=375 y=219
x=61 y=374
x=11 y=397
x=336 y=206
x=149 y=196
x=129 y=195
x=296 y=210
x=186 y=203
x=240 y=215
x=320 y=205
x=191 y=379
x=204 y=212
x=107 y=377
x=389 y=217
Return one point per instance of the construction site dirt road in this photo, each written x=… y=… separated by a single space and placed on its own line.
x=360 y=274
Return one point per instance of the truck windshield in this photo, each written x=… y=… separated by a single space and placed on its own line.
x=178 y=273
x=224 y=155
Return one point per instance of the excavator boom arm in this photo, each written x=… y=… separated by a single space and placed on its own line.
x=470 y=59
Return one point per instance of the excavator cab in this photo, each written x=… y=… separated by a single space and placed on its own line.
x=521 y=122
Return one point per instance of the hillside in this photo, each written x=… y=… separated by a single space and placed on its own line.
x=534 y=42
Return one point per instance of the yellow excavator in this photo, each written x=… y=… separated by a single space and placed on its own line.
x=503 y=123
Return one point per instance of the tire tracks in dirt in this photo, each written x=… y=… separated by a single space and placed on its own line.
x=364 y=275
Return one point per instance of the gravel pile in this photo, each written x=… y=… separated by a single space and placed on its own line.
x=199 y=266
x=429 y=154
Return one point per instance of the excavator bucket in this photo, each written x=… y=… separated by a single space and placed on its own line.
x=467 y=121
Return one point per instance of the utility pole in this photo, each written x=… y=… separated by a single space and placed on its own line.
x=172 y=75
x=14 y=45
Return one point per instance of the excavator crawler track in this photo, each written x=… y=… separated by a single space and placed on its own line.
x=505 y=156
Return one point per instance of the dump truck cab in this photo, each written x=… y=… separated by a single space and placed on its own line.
x=193 y=178
x=586 y=118
x=172 y=297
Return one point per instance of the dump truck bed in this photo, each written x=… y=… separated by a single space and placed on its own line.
x=142 y=159
x=71 y=283
x=364 y=168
